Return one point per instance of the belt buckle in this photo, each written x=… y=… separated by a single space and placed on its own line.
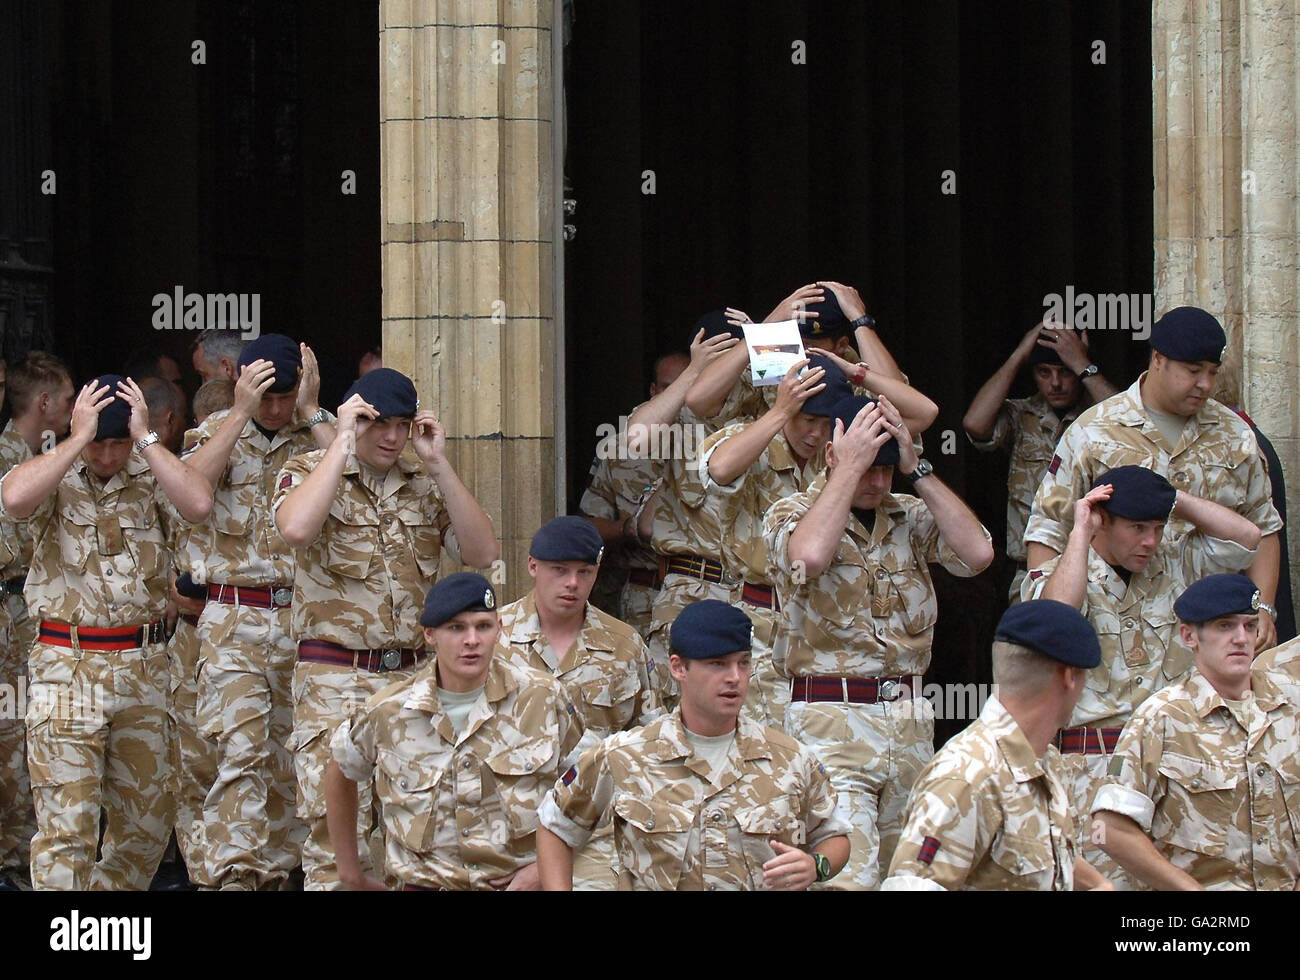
x=889 y=690
x=281 y=597
x=391 y=659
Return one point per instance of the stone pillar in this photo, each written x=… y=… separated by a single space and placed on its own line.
x=1226 y=182
x=466 y=211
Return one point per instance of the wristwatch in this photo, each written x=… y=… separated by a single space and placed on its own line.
x=823 y=865
x=1089 y=372
x=147 y=441
x=320 y=416
x=866 y=320
x=1269 y=608
x=923 y=469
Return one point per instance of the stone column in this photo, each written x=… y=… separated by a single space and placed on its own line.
x=1226 y=182
x=466 y=212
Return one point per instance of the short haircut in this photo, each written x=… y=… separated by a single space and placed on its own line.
x=213 y=396
x=218 y=343
x=654 y=369
x=161 y=396
x=34 y=372
x=1021 y=670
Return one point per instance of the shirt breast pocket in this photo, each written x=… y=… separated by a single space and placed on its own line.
x=351 y=540
x=424 y=535
x=522 y=775
x=235 y=501
x=759 y=827
x=1200 y=809
x=1027 y=863
x=652 y=839
x=407 y=792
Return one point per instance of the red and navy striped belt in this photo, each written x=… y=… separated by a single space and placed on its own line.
x=762 y=596
x=102 y=637
x=376 y=661
x=850 y=690
x=1088 y=741
x=258 y=597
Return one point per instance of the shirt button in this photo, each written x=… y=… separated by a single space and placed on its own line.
x=402 y=783
x=650 y=823
x=1261 y=772
x=465 y=832
x=1180 y=477
x=1261 y=840
x=1128 y=624
x=715 y=816
x=1195 y=783
x=108 y=572
x=712 y=887
x=1138 y=682
x=880 y=573
x=465 y=765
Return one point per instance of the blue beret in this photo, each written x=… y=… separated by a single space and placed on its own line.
x=1215 y=596
x=837 y=388
x=1139 y=494
x=391 y=392
x=280 y=351
x=114 y=420
x=847 y=409
x=1189 y=334
x=568 y=539
x=709 y=628
x=1047 y=355
x=830 y=323
x=714 y=324
x=1054 y=629
x=455 y=594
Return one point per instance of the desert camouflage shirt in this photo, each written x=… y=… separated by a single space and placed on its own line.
x=460 y=810
x=247 y=548
x=1220 y=798
x=872 y=612
x=1216 y=457
x=616 y=489
x=681 y=524
x=1140 y=648
x=100 y=553
x=680 y=826
x=987 y=813
x=739 y=506
x=361 y=583
x=15 y=536
x=1031 y=428
x=606 y=674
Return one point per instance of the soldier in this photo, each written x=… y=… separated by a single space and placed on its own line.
x=1066 y=379
x=97 y=711
x=370 y=522
x=703 y=798
x=1204 y=779
x=40 y=396
x=1168 y=423
x=603 y=664
x=746 y=467
x=252 y=837
x=991 y=810
x=168 y=411
x=1116 y=572
x=461 y=754
x=850 y=563
x=216 y=354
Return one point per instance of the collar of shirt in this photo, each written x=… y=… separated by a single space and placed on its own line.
x=135 y=466
x=1039 y=406
x=1133 y=412
x=254 y=434
x=1015 y=748
x=1136 y=588
x=666 y=740
x=889 y=513
x=1205 y=698
x=527 y=631
x=385 y=485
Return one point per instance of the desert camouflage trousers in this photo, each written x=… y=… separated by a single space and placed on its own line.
x=873 y=754
x=636 y=607
x=324 y=695
x=193 y=757
x=678 y=592
x=252 y=836
x=769 y=692
x=17 y=813
x=1084 y=775
x=97 y=739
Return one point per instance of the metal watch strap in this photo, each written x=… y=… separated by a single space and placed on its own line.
x=321 y=416
x=147 y=441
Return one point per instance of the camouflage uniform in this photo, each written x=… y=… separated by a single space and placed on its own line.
x=252 y=835
x=359 y=585
x=618 y=487
x=680 y=826
x=870 y=616
x=1141 y=653
x=1283 y=662
x=987 y=813
x=739 y=508
x=97 y=718
x=610 y=680
x=1031 y=428
x=460 y=810
x=1216 y=457
x=1215 y=784
x=17 y=634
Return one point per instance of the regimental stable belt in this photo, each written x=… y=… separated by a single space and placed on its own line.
x=102 y=637
x=1088 y=741
x=375 y=661
x=850 y=690
x=257 y=597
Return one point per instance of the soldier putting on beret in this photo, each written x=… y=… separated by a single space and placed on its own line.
x=1205 y=780
x=703 y=798
x=461 y=755
x=98 y=587
x=252 y=835
x=370 y=519
x=991 y=810
x=602 y=662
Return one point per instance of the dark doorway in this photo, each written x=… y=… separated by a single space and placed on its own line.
x=200 y=145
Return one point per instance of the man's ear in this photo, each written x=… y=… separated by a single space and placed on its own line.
x=1187 y=633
